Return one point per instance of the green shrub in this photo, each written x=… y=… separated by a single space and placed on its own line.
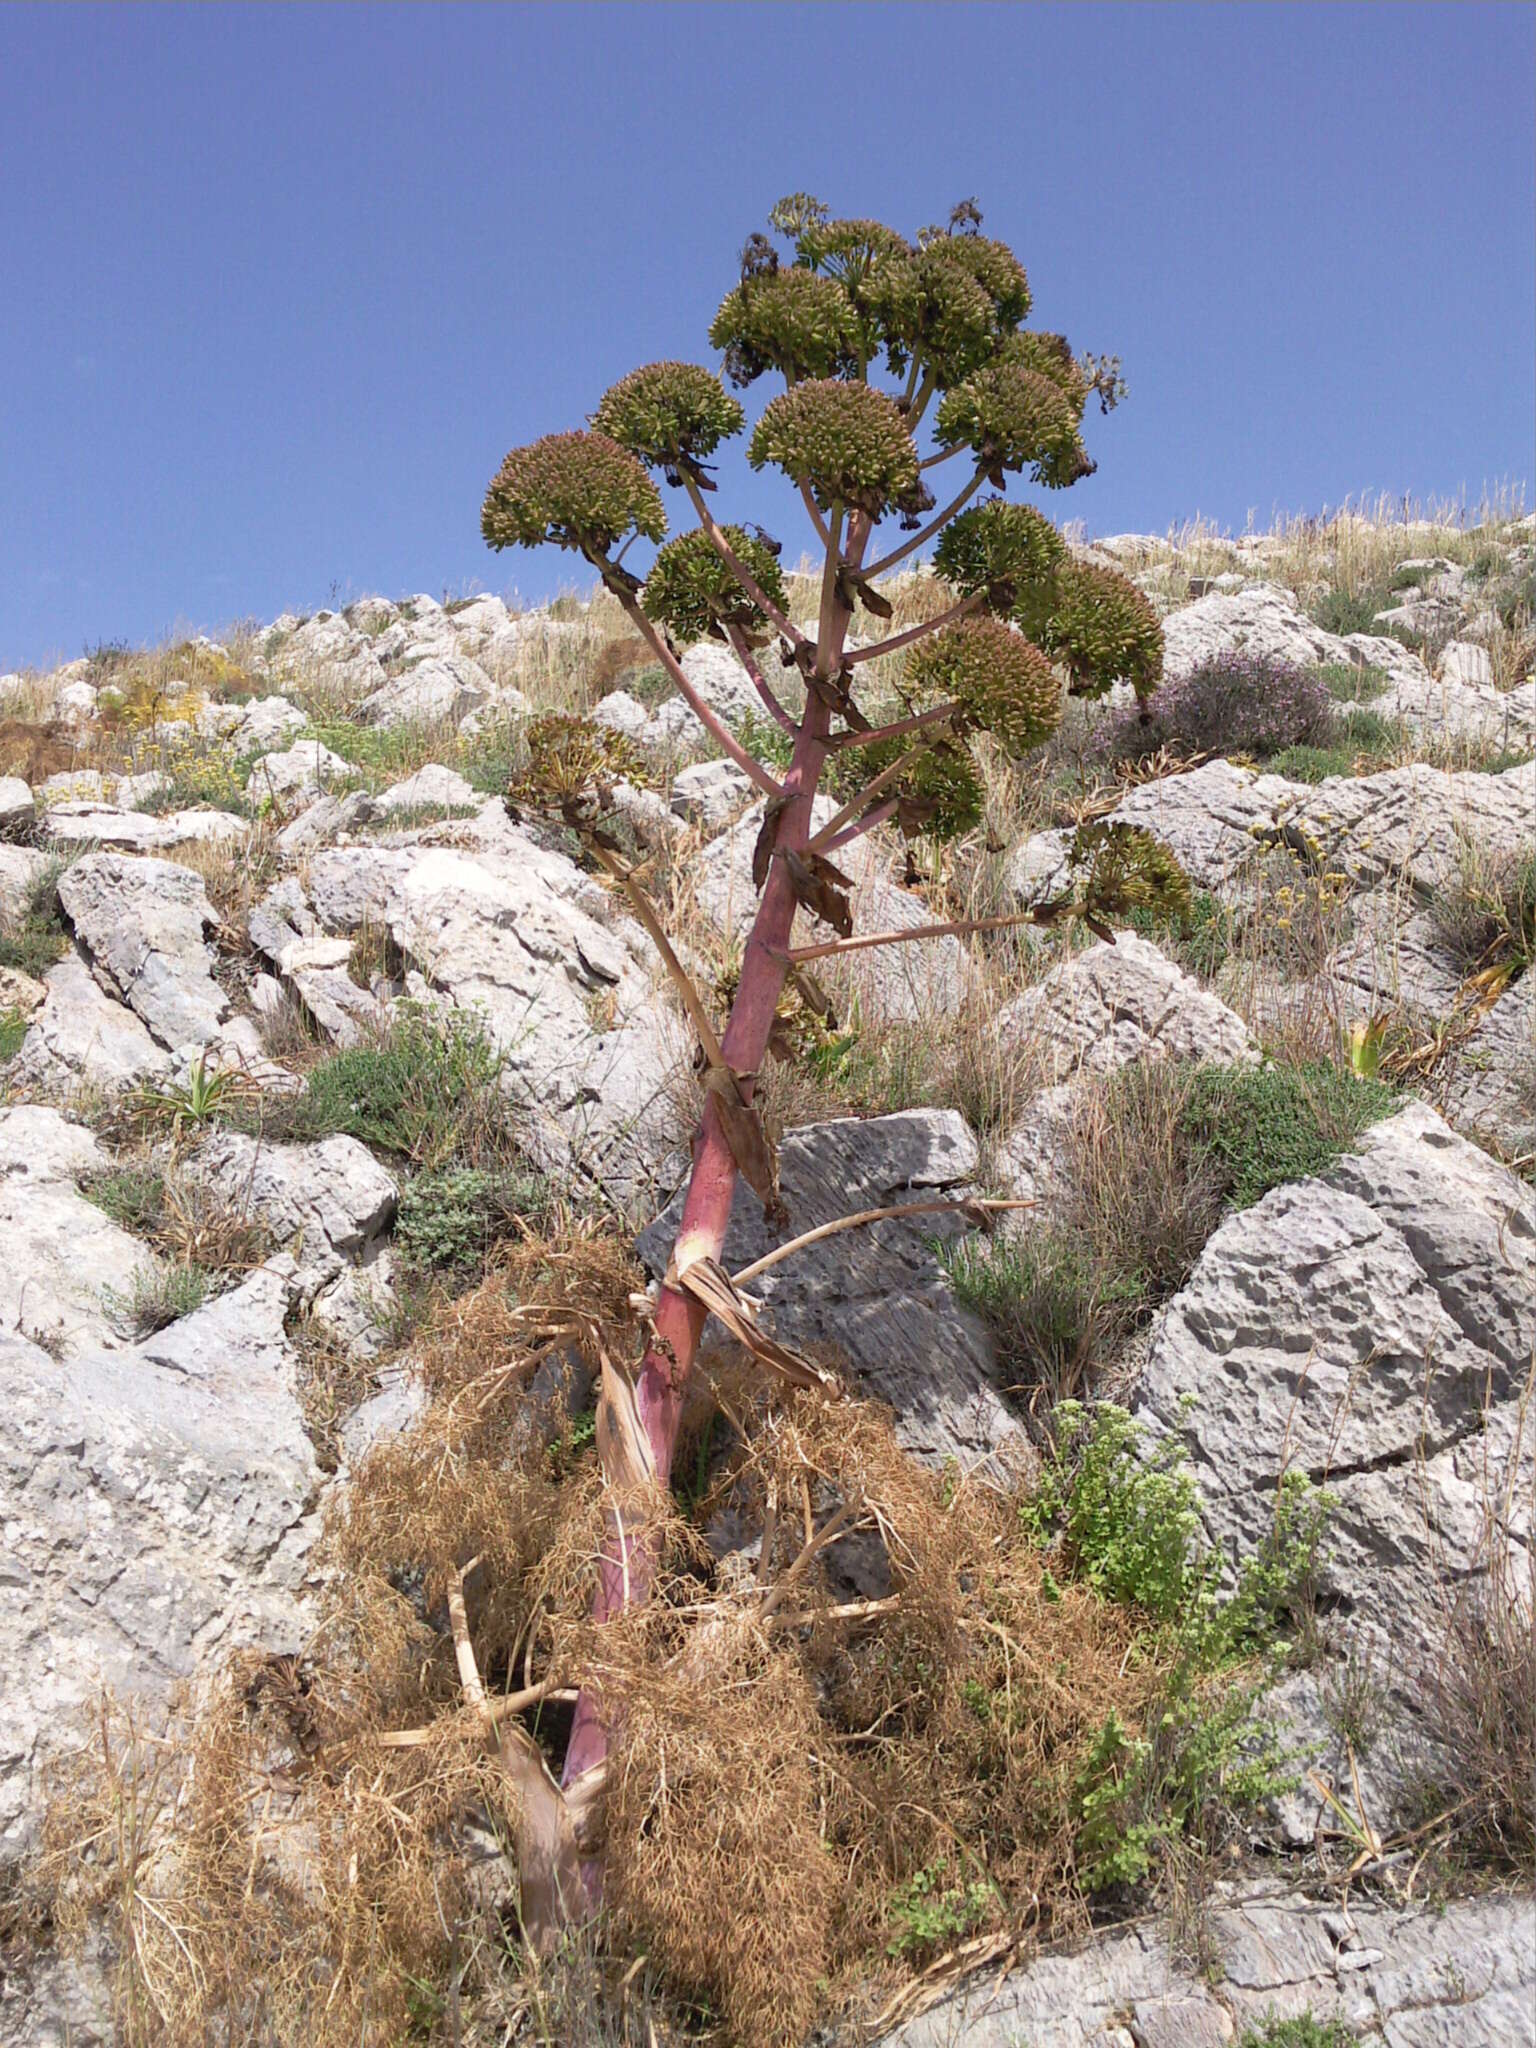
x=430 y=1089
x=1127 y=1523
x=133 y=1196
x=159 y=1296
x=452 y=1217
x=214 y=779
x=1262 y=1126
x=1345 y=611
x=35 y=938
x=1199 y=936
x=1347 y=684
x=13 y=1030
x=1302 y=2031
x=929 y=1914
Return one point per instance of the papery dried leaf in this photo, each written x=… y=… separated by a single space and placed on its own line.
x=749 y=1143
x=762 y=852
x=707 y=1281
x=813 y=995
x=623 y=1448
x=821 y=889
x=544 y=1840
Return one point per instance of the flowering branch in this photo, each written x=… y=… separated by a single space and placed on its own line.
x=962 y=610
x=739 y=569
x=918 y=540
x=748 y=660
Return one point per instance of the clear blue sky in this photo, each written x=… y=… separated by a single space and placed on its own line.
x=282 y=285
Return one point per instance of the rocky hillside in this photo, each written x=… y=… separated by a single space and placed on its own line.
x=305 y=1032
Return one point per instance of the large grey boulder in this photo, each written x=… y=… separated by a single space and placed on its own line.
x=20 y=868
x=512 y=935
x=16 y=806
x=81 y=1034
x=432 y=788
x=438 y=691
x=141 y=921
x=256 y=727
x=326 y=1204
x=1425 y=1976
x=66 y=1262
x=157 y=1505
x=1113 y=1004
x=284 y=773
x=875 y=1300
x=1372 y=1329
x=314 y=963
x=327 y=652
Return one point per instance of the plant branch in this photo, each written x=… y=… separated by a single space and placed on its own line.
x=748 y=660
x=707 y=717
x=957 y=927
x=737 y=567
x=813 y=513
x=918 y=722
x=941 y=455
x=857 y=1221
x=829 y=571
x=867 y=823
x=856 y=805
x=921 y=539
x=963 y=609
x=698 y=1016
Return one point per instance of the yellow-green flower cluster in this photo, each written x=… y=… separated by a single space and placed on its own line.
x=847 y=442
x=1101 y=626
x=792 y=321
x=1001 y=683
x=1000 y=549
x=1014 y=418
x=692 y=592
x=938 y=795
x=578 y=490
x=668 y=413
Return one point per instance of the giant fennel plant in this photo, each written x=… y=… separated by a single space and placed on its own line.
x=904 y=365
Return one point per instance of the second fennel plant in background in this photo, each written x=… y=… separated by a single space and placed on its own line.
x=904 y=363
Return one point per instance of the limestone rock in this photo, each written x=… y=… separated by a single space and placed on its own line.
x=875 y=1299
x=80 y=1034
x=1373 y=1330
x=307 y=764
x=108 y=825
x=64 y=1258
x=327 y=1204
x=16 y=805
x=20 y=867
x=156 y=1503
x=1111 y=1004
x=437 y=691
x=430 y=788
x=710 y=793
x=142 y=922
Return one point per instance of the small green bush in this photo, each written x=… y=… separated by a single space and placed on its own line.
x=930 y=1914
x=13 y=1030
x=1347 y=684
x=1263 y=1126
x=1127 y=1523
x=133 y=1196
x=452 y=1217
x=34 y=938
x=1345 y=611
x=429 y=1089
x=1302 y=2031
x=213 y=779
x=159 y=1296
x=1200 y=937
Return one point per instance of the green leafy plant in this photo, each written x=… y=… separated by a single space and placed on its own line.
x=929 y=1912
x=450 y=1218
x=133 y=1196
x=430 y=1088
x=34 y=938
x=1300 y=2031
x=1262 y=1126
x=205 y=1095
x=13 y=1031
x=1125 y=1520
x=159 y=1296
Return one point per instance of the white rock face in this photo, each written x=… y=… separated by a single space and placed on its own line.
x=430 y=788
x=16 y=805
x=1464 y=662
x=326 y=649
x=80 y=1034
x=1457 y=1976
x=155 y=1501
x=20 y=866
x=1373 y=1330
x=326 y=1204
x=64 y=1258
x=877 y=1299
x=258 y=727
x=438 y=691
x=1110 y=1005
x=506 y=934
x=307 y=764
x=142 y=924
x=711 y=793
x=91 y=824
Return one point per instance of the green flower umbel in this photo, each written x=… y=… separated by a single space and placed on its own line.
x=1000 y=682
x=578 y=490
x=672 y=415
x=846 y=441
x=691 y=591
